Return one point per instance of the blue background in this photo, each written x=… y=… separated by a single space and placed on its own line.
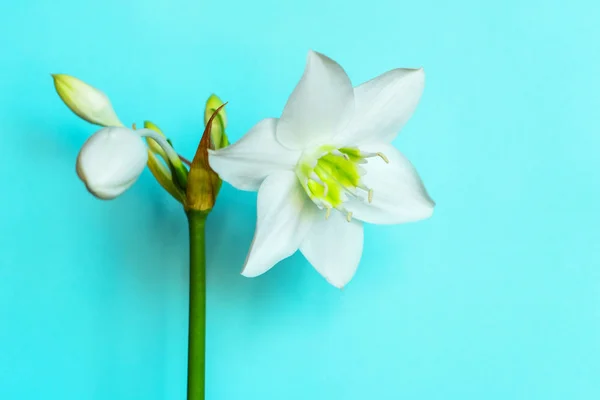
x=496 y=297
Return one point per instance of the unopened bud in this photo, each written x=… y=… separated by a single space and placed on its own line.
x=110 y=161
x=86 y=101
x=218 y=138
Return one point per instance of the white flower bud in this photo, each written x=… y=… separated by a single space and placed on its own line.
x=111 y=160
x=86 y=101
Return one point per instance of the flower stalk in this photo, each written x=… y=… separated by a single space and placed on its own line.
x=201 y=191
x=113 y=158
x=197 y=306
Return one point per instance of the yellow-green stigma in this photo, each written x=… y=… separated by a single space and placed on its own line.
x=331 y=176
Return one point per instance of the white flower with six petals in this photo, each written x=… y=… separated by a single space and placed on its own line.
x=326 y=166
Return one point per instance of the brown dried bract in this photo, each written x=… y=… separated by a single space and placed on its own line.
x=203 y=182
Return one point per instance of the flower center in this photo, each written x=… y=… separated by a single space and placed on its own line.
x=331 y=176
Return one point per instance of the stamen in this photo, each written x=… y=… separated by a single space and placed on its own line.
x=316 y=178
x=349 y=191
x=340 y=154
x=345 y=188
x=332 y=177
x=383 y=157
x=378 y=154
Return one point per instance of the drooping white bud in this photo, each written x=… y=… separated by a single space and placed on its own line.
x=111 y=160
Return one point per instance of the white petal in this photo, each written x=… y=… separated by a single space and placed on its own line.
x=383 y=105
x=334 y=247
x=285 y=215
x=398 y=192
x=111 y=160
x=246 y=163
x=320 y=105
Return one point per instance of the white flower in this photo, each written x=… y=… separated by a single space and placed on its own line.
x=86 y=101
x=326 y=166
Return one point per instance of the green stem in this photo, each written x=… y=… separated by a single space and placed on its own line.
x=197 y=323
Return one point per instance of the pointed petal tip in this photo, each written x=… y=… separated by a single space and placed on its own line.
x=246 y=274
x=251 y=271
x=315 y=55
x=421 y=72
x=427 y=211
x=417 y=72
x=321 y=103
x=430 y=202
x=311 y=56
x=338 y=285
x=431 y=210
x=341 y=284
x=244 y=271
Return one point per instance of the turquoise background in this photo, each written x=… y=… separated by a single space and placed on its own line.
x=496 y=297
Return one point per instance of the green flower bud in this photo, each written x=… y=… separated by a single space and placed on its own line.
x=218 y=138
x=86 y=101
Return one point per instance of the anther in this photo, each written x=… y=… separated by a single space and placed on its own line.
x=349 y=216
x=325 y=189
x=327 y=212
x=383 y=157
x=370 y=195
